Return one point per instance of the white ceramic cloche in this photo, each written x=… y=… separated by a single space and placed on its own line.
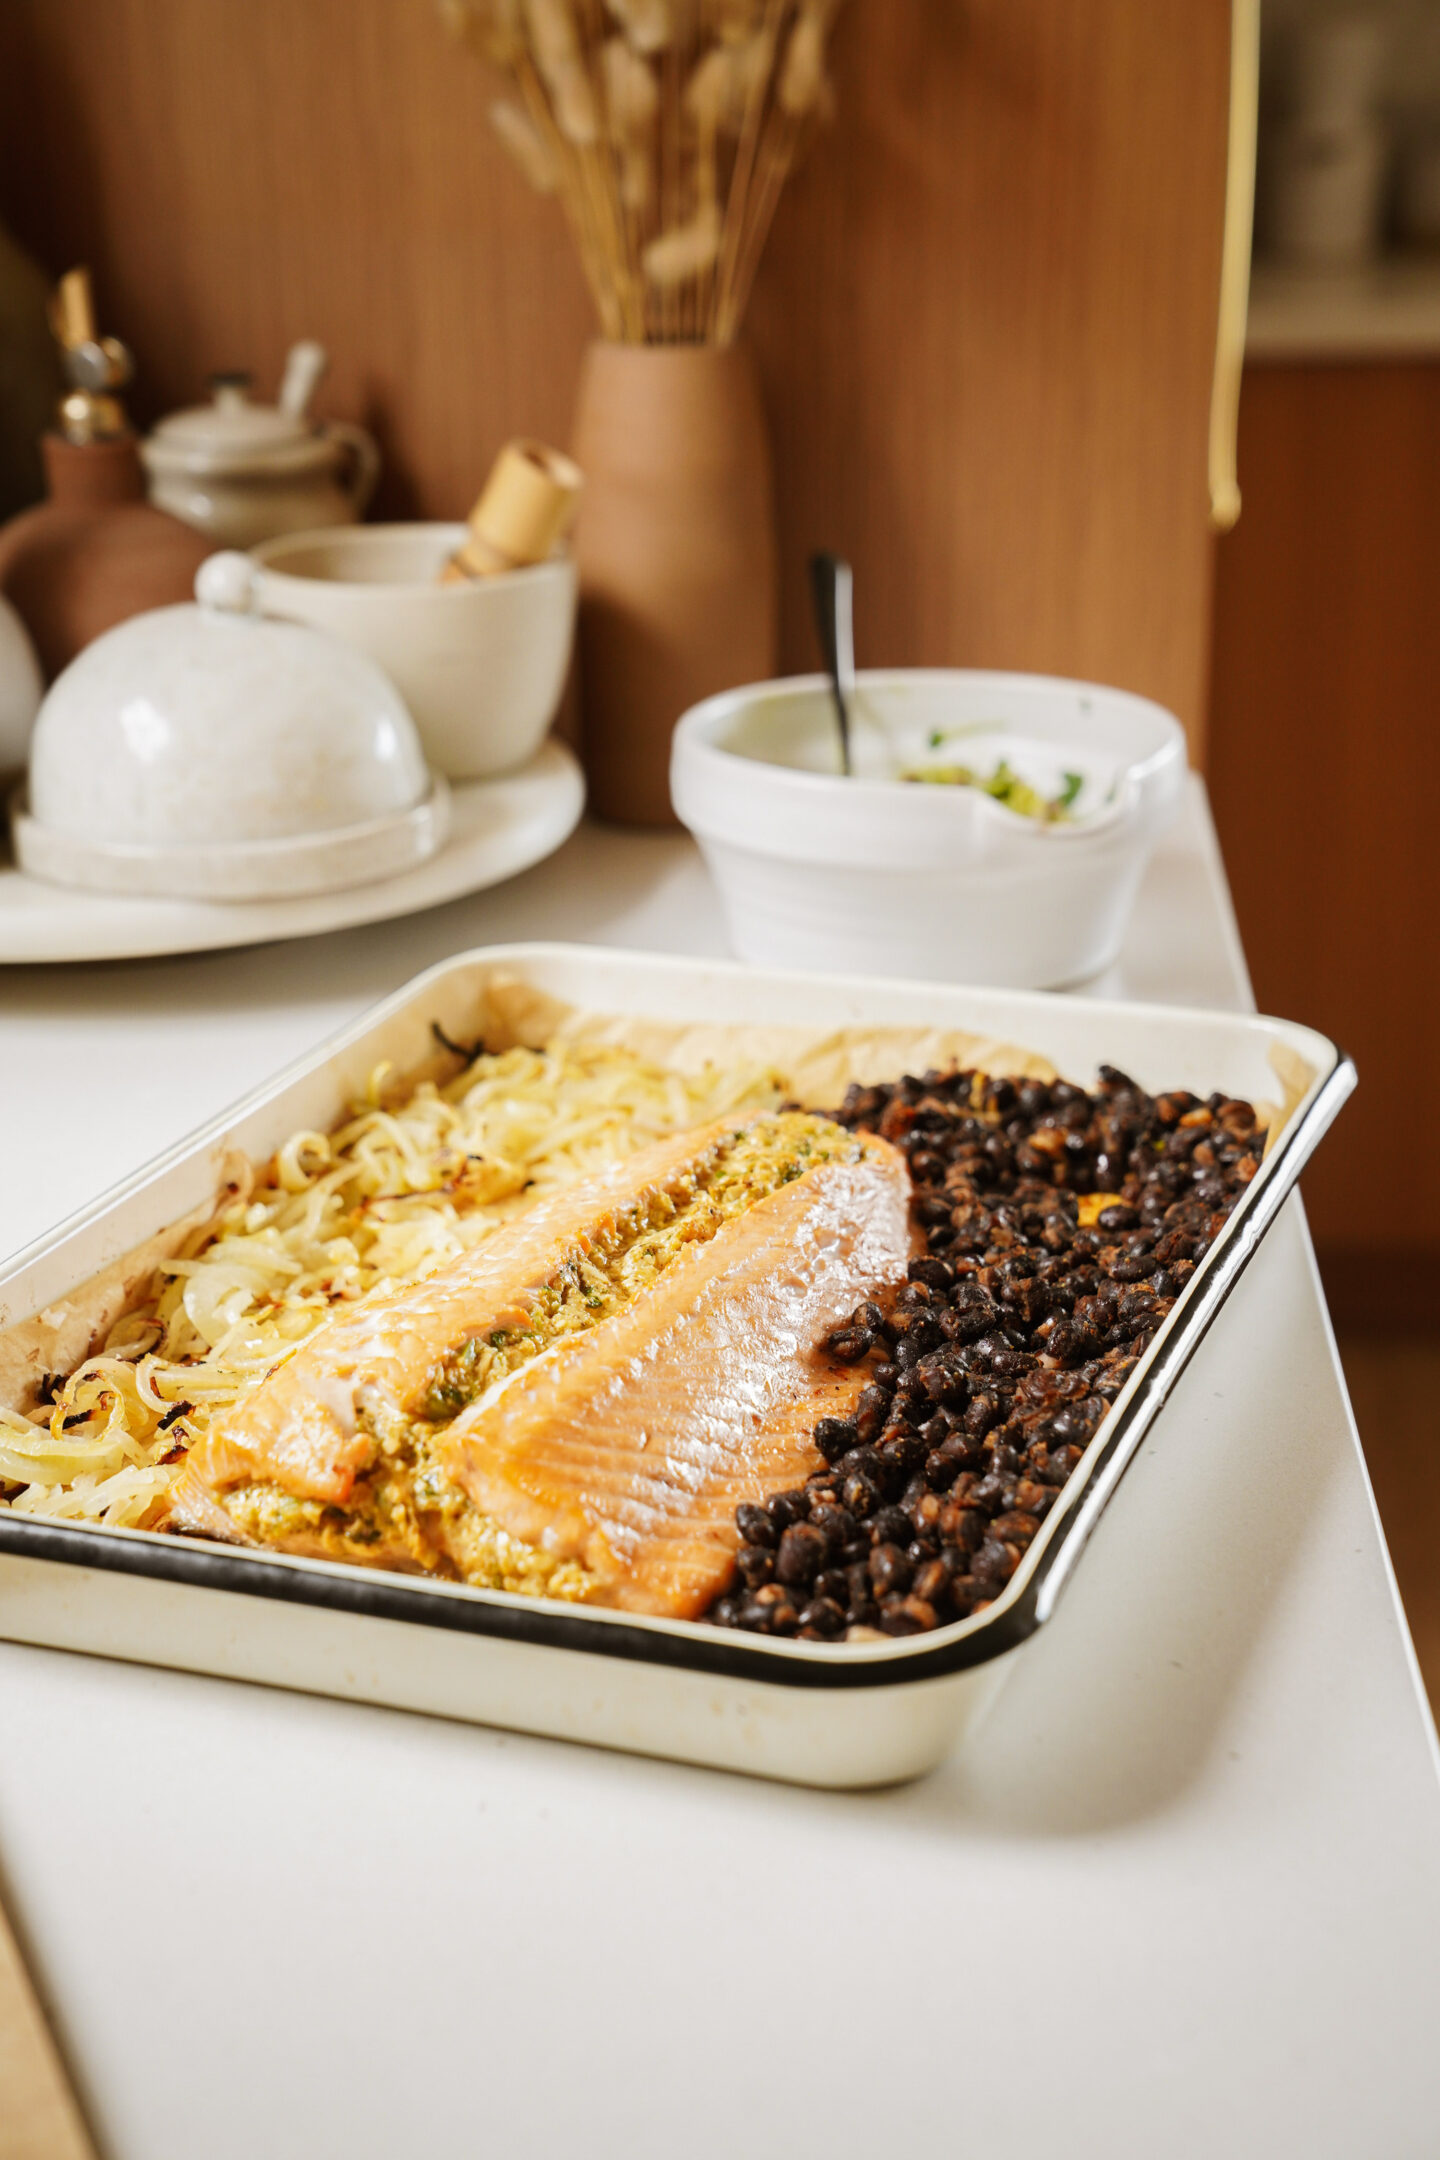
x=242 y=472
x=205 y=751
x=21 y=688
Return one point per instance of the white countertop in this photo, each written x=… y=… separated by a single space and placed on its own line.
x=1181 y=1895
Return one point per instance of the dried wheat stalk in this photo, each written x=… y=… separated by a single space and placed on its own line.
x=667 y=129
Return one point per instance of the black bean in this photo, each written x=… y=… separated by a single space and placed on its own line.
x=924 y=1511
x=871 y=1412
x=907 y=1616
x=1059 y=1463
x=1069 y=1340
x=864 y=1459
x=993 y=1565
x=803 y=1550
x=862 y=1493
x=943 y=1465
x=890 y=1571
x=755 y=1565
x=902 y=1454
x=754 y=1524
x=943 y=1379
x=836 y=1436
x=984 y=1412
x=994 y=1493
x=788 y=1507
x=1071 y=1422
x=890 y=1526
x=932 y=1582
x=833 y=1583
x=836 y=1524
x=965 y=1528
x=823 y=1617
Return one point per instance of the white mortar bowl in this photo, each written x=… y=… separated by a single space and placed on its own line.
x=876 y=875
x=480 y=665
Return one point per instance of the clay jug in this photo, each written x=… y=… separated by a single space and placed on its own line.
x=29 y=382
x=676 y=550
x=95 y=553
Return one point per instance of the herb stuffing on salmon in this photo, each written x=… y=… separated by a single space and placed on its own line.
x=576 y=1407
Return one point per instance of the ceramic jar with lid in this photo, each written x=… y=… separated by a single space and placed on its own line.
x=242 y=472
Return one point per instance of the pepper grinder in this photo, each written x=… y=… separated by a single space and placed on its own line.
x=96 y=552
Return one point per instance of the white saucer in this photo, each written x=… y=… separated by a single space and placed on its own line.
x=497 y=828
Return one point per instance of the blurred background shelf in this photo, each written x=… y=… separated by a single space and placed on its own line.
x=1387 y=310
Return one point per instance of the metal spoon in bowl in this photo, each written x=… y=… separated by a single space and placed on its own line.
x=832 y=591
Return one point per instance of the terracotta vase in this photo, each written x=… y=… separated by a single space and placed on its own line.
x=676 y=550
x=95 y=553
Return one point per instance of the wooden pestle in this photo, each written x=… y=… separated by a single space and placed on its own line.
x=528 y=502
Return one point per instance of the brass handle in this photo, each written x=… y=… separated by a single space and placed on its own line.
x=1234 y=262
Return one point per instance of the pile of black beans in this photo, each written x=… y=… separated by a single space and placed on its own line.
x=992 y=1366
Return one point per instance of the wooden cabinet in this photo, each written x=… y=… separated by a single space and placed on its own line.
x=1325 y=772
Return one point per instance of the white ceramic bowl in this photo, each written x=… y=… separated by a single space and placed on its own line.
x=201 y=751
x=877 y=875
x=481 y=665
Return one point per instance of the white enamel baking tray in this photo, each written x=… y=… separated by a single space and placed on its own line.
x=822 y=1714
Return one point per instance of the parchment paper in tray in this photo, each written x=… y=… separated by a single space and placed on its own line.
x=811 y=1065
x=815 y=1066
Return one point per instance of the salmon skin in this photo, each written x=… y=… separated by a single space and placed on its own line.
x=580 y=1403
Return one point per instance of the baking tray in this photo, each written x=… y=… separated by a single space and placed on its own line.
x=824 y=1714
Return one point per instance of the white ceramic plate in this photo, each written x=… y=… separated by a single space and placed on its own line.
x=497 y=828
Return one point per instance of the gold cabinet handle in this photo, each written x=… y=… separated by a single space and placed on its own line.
x=1234 y=262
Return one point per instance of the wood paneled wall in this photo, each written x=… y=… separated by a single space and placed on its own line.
x=1325 y=774
x=985 y=324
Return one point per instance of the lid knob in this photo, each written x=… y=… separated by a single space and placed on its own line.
x=227 y=582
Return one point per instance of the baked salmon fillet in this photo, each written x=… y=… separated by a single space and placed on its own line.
x=577 y=1406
